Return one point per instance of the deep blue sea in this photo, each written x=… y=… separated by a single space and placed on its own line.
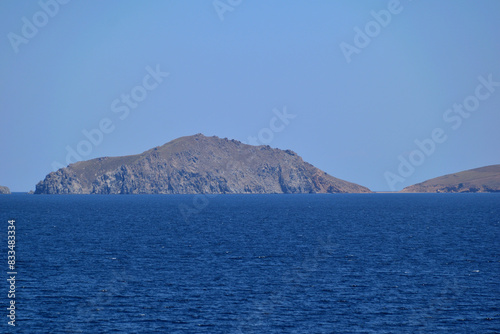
x=354 y=263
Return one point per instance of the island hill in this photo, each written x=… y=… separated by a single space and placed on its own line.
x=4 y=190
x=484 y=179
x=194 y=165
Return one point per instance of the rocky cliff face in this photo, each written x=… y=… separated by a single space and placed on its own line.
x=196 y=164
x=4 y=190
x=484 y=179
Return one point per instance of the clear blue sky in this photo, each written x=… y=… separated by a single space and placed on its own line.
x=353 y=119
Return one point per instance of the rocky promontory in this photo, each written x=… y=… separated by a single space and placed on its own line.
x=484 y=179
x=193 y=165
x=4 y=190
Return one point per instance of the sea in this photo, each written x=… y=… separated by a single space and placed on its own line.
x=305 y=263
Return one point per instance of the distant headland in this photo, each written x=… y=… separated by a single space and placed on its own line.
x=484 y=179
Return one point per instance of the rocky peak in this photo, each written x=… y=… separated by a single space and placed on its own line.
x=196 y=164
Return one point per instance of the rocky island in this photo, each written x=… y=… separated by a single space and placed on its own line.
x=4 y=190
x=484 y=179
x=196 y=165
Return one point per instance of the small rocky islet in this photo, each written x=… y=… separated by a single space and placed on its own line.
x=197 y=165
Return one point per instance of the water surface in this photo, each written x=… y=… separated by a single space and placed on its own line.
x=354 y=263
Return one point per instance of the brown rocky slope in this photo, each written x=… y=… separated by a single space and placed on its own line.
x=484 y=179
x=196 y=164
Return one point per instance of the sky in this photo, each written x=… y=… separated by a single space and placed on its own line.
x=385 y=94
